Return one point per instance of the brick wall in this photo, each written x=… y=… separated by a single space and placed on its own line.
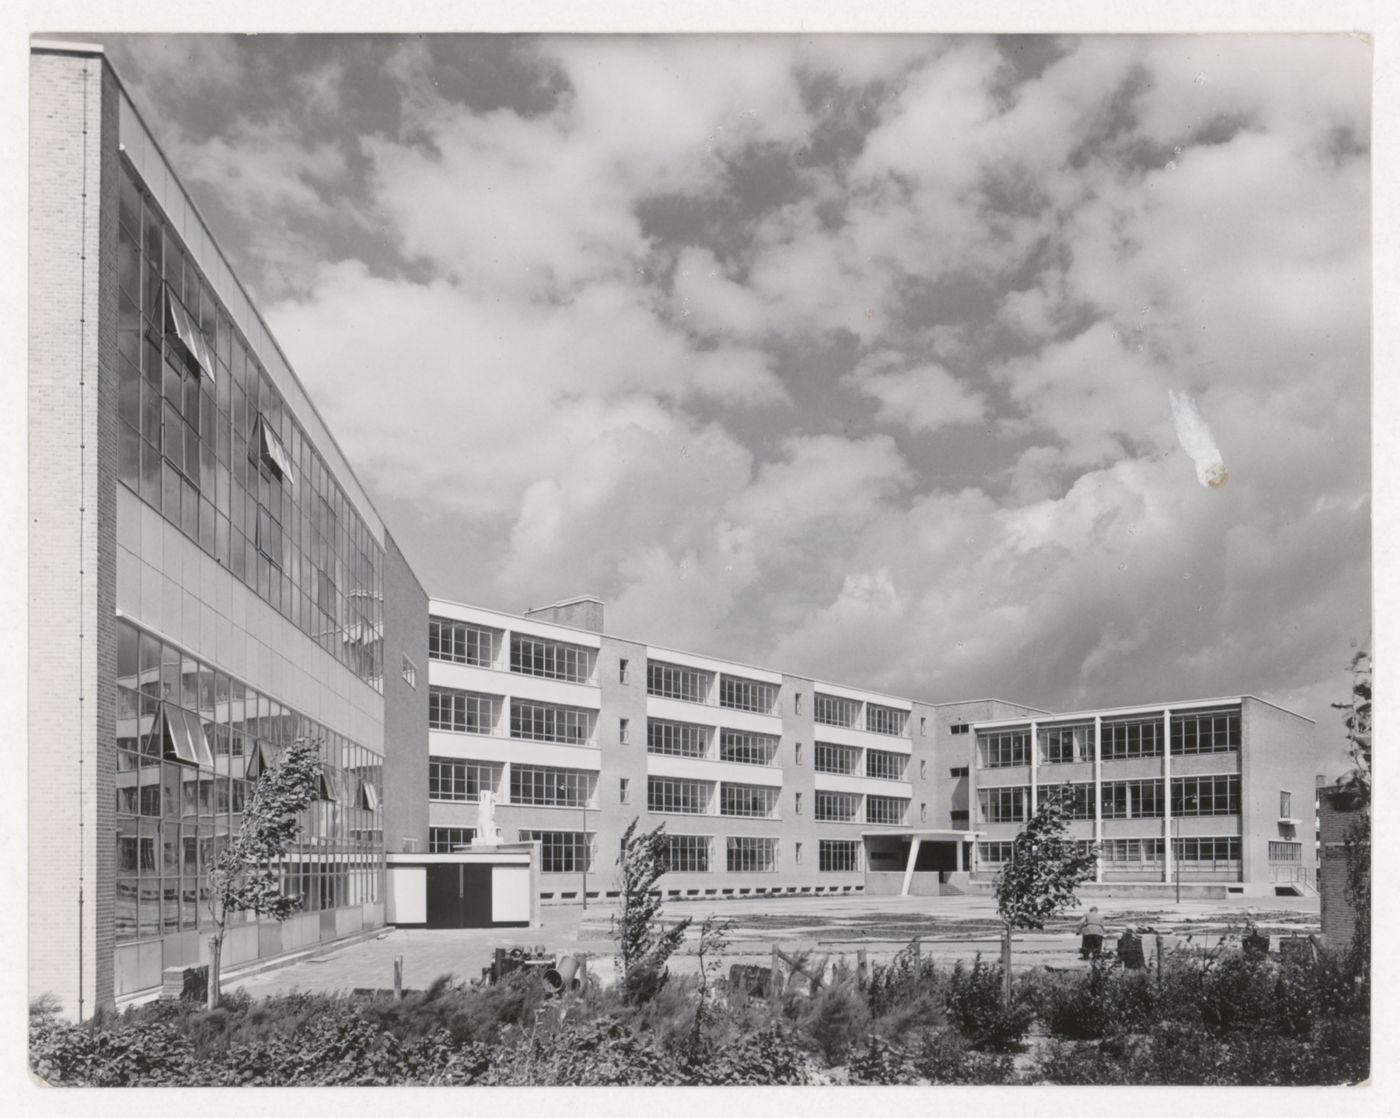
x=72 y=526
x=1338 y=916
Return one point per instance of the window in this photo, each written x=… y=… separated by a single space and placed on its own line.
x=835 y=807
x=1206 y=795
x=677 y=739
x=886 y=810
x=621 y=671
x=958 y=771
x=1212 y=852
x=550 y=659
x=881 y=765
x=680 y=797
x=1132 y=799
x=831 y=711
x=1285 y=805
x=543 y=722
x=959 y=816
x=797 y=702
x=923 y=727
x=993 y=853
x=410 y=672
x=747 y=749
x=960 y=728
x=838 y=855
x=884 y=720
x=754 y=800
x=562 y=851
x=747 y=694
x=670 y=681
x=1002 y=805
x=797 y=753
x=688 y=853
x=1005 y=748
x=751 y=855
x=1206 y=732
x=1285 y=851
x=622 y=728
x=443 y=840
x=622 y=789
x=1134 y=737
x=923 y=770
x=267 y=450
x=179 y=326
x=184 y=740
x=1078 y=798
x=205 y=439
x=461 y=781
x=797 y=803
x=465 y=712
x=460 y=643
x=549 y=787
x=797 y=853
x=923 y=813
x=840 y=759
x=1061 y=745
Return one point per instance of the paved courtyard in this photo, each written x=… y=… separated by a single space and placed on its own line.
x=948 y=929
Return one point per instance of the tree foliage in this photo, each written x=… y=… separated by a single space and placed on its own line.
x=1357 y=719
x=1045 y=868
x=246 y=875
x=644 y=943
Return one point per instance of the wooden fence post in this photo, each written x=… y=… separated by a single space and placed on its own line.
x=1006 y=965
x=398 y=976
x=773 y=965
x=862 y=970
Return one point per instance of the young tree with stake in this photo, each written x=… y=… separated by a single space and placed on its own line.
x=1038 y=883
x=246 y=875
x=644 y=944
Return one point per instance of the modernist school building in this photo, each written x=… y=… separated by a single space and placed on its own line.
x=209 y=582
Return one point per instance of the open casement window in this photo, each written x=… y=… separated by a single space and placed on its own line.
x=266 y=447
x=184 y=739
x=180 y=325
x=265 y=756
x=369 y=796
x=331 y=784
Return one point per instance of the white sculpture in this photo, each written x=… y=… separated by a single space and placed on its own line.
x=487 y=833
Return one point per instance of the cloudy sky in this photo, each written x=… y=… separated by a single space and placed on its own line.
x=902 y=361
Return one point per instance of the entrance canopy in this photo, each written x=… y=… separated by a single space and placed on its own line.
x=927 y=850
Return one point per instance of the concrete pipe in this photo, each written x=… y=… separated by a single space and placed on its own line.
x=563 y=975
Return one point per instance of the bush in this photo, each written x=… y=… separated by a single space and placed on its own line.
x=945 y=1056
x=835 y=1018
x=1103 y=1002
x=879 y=1061
x=770 y=1056
x=975 y=1006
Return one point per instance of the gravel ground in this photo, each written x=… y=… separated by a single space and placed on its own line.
x=948 y=928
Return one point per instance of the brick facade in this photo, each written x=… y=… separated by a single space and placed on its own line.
x=72 y=527
x=1335 y=815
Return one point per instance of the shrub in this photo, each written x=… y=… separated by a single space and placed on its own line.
x=975 y=1006
x=1105 y=1001
x=767 y=1056
x=944 y=1056
x=835 y=1018
x=879 y=1061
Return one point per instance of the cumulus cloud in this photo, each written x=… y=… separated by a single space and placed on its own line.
x=587 y=353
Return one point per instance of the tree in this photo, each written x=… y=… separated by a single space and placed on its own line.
x=1358 y=724
x=1354 y=792
x=644 y=944
x=245 y=876
x=1038 y=883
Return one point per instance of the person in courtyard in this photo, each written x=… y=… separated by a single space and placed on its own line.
x=1091 y=928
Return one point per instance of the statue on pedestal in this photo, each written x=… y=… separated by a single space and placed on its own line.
x=487 y=833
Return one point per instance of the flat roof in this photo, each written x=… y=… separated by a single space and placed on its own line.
x=1142 y=708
